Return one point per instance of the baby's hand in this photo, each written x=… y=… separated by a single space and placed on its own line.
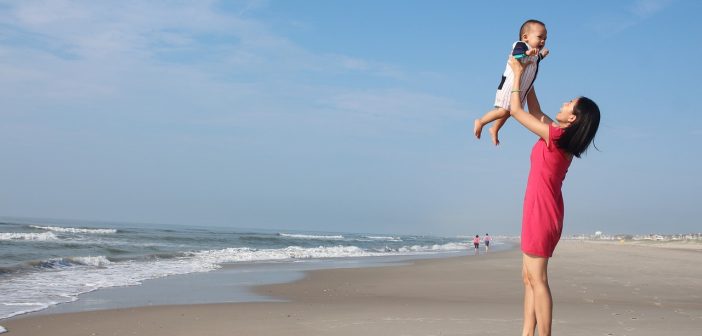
x=544 y=52
x=516 y=65
x=532 y=52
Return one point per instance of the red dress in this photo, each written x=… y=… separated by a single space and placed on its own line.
x=542 y=220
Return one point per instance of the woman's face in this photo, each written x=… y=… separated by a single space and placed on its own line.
x=565 y=115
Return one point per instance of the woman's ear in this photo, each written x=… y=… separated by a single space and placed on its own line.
x=571 y=118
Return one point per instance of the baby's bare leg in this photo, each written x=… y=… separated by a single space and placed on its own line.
x=491 y=116
x=496 y=128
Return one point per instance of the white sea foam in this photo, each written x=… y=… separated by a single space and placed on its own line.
x=241 y=254
x=27 y=236
x=304 y=236
x=65 y=284
x=99 y=261
x=433 y=248
x=38 y=290
x=74 y=230
x=393 y=239
x=2 y=330
x=230 y=255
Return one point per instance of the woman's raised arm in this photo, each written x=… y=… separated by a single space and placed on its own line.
x=535 y=108
x=529 y=121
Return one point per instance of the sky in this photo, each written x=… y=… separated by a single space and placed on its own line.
x=340 y=116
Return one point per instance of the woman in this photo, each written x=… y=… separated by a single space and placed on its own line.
x=559 y=141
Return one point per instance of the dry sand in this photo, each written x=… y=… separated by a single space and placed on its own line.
x=598 y=289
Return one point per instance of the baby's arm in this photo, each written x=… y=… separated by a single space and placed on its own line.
x=534 y=51
x=544 y=52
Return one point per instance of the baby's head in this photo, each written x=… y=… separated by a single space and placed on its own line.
x=534 y=33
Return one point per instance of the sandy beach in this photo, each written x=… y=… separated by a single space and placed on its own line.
x=598 y=289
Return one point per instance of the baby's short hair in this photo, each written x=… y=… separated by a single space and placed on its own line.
x=526 y=25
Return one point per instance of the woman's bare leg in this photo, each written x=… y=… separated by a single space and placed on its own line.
x=529 y=313
x=536 y=268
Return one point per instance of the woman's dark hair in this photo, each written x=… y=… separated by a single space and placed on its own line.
x=577 y=137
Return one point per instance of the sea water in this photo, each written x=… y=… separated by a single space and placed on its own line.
x=48 y=262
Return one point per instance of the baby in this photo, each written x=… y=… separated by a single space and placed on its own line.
x=530 y=50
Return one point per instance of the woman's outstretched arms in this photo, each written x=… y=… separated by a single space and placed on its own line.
x=535 y=108
x=529 y=121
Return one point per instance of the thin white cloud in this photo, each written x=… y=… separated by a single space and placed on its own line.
x=192 y=63
x=612 y=23
x=353 y=63
x=194 y=33
x=627 y=132
x=646 y=8
x=393 y=109
x=91 y=28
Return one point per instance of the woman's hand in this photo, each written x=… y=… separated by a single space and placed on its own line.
x=516 y=65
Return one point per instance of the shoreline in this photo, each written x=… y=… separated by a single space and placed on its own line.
x=597 y=288
x=51 y=264
x=232 y=283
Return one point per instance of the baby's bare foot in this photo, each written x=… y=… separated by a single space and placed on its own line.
x=477 y=128
x=493 y=135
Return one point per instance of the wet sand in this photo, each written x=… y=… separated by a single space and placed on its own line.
x=598 y=289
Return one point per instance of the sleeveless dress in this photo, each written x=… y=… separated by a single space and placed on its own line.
x=542 y=221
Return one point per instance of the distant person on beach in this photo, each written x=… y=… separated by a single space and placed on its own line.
x=476 y=244
x=486 y=241
x=529 y=48
x=542 y=222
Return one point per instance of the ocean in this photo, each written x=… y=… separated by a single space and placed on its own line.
x=48 y=262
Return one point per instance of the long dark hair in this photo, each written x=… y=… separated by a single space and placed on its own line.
x=577 y=137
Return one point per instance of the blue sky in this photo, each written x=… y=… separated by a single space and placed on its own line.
x=339 y=115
